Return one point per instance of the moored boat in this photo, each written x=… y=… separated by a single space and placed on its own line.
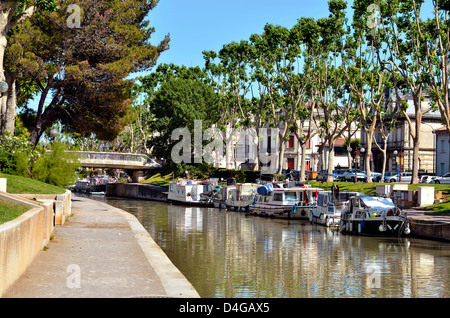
x=192 y=192
x=289 y=203
x=375 y=216
x=330 y=206
x=240 y=198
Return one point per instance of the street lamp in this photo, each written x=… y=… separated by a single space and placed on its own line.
x=3 y=88
x=399 y=176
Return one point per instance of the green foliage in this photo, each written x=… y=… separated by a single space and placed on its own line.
x=56 y=167
x=16 y=154
x=178 y=98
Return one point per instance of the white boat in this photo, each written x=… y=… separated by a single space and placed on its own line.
x=221 y=196
x=290 y=203
x=374 y=216
x=330 y=206
x=192 y=192
x=240 y=198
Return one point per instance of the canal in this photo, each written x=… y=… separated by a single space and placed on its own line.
x=229 y=254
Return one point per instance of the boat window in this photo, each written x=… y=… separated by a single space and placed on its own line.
x=290 y=196
x=171 y=187
x=320 y=200
x=278 y=197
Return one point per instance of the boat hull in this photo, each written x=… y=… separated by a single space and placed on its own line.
x=238 y=206
x=394 y=226
x=329 y=220
x=191 y=203
x=286 y=212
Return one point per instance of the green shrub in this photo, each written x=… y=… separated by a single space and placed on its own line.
x=16 y=155
x=56 y=167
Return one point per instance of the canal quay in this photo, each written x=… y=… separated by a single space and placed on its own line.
x=227 y=254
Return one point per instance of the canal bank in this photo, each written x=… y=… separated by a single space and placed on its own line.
x=101 y=252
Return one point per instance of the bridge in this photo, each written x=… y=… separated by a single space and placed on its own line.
x=114 y=160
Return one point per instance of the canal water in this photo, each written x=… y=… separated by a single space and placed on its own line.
x=231 y=255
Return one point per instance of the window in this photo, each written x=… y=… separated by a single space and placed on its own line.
x=291 y=142
x=291 y=163
x=291 y=196
x=278 y=197
x=443 y=146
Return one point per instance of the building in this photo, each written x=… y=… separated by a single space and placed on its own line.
x=442 y=151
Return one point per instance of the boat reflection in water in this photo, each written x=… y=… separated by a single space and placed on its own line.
x=229 y=254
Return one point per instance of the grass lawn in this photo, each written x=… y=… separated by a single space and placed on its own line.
x=160 y=180
x=9 y=210
x=20 y=185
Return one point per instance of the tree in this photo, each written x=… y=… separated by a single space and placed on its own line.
x=228 y=71
x=329 y=80
x=13 y=13
x=407 y=41
x=437 y=59
x=80 y=67
x=179 y=97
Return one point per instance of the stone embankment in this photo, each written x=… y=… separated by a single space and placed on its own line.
x=100 y=251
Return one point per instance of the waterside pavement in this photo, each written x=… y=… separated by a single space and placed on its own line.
x=101 y=252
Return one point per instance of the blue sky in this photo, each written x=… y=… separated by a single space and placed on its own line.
x=198 y=25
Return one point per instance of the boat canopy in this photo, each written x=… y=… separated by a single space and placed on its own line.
x=378 y=203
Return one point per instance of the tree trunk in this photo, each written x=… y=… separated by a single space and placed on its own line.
x=330 y=178
x=415 y=172
x=282 y=135
x=368 y=154
x=4 y=97
x=303 y=160
x=11 y=103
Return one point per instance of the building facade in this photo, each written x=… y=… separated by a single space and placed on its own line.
x=442 y=151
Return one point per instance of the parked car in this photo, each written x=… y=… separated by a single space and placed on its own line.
x=406 y=177
x=388 y=175
x=349 y=175
x=443 y=179
x=323 y=175
x=376 y=176
x=427 y=179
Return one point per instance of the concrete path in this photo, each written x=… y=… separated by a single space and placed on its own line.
x=101 y=252
x=426 y=216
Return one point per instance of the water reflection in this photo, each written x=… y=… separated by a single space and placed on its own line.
x=226 y=254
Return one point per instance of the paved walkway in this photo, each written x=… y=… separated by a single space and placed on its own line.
x=101 y=252
x=426 y=216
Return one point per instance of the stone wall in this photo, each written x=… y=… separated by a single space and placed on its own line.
x=23 y=238
x=137 y=191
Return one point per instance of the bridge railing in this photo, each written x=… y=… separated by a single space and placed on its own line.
x=114 y=156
